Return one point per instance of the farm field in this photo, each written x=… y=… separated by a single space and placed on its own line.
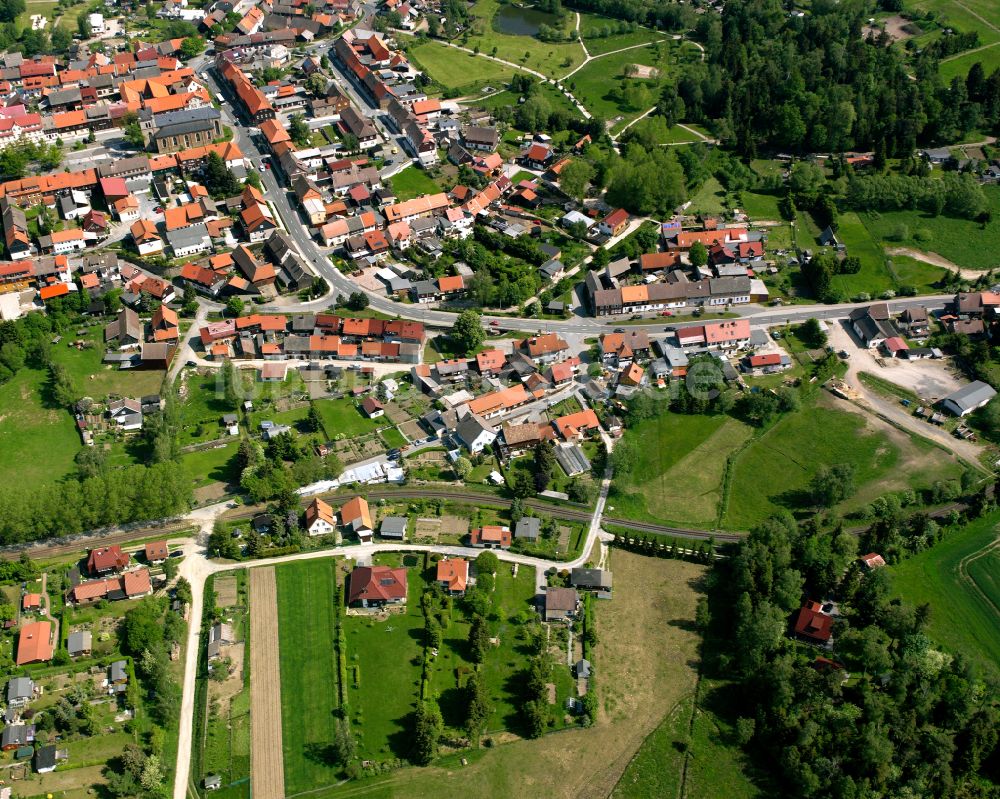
x=413 y=182
x=267 y=691
x=38 y=441
x=968 y=244
x=681 y=481
x=457 y=70
x=308 y=671
x=549 y=58
x=774 y=471
x=648 y=656
x=960 y=578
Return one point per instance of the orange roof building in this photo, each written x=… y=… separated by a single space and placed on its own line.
x=453 y=574
x=34 y=643
x=490 y=537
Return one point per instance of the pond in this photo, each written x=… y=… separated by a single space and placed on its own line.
x=520 y=21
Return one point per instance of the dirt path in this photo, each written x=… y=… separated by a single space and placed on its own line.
x=267 y=773
x=985 y=22
x=934 y=259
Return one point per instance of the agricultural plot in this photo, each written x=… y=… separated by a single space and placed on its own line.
x=225 y=745
x=960 y=578
x=874 y=278
x=680 y=481
x=267 y=691
x=305 y=619
x=775 y=469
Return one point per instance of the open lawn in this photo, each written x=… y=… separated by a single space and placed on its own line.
x=96 y=380
x=217 y=464
x=874 y=278
x=457 y=70
x=709 y=198
x=379 y=701
x=761 y=206
x=966 y=243
x=680 y=480
x=38 y=440
x=341 y=417
x=645 y=663
x=960 y=578
x=413 y=182
x=959 y=66
x=554 y=59
x=922 y=276
x=308 y=671
x=775 y=470
x=713 y=767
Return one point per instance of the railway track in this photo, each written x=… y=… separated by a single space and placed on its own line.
x=569 y=511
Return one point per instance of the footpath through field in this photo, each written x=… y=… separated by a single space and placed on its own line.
x=267 y=774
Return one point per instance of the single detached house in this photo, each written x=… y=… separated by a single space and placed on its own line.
x=376 y=587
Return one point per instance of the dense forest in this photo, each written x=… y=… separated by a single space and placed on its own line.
x=911 y=720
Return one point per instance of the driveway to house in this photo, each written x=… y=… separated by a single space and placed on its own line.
x=893 y=410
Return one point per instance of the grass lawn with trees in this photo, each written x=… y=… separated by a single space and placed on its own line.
x=308 y=671
x=775 y=469
x=383 y=667
x=550 y=58
x=680 y=481
x=874 y=278
x=413 y=182
x=457 y=70
x=38 y=440
x=599 y=84
x=960 y=578
x=601 y=34
x=963 y=241
x=645 y=662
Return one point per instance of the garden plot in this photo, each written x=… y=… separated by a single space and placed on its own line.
x=437 y=526
x=412 y=430
x=225 y=591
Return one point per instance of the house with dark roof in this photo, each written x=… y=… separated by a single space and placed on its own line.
x=873 y=324
x=560 y=604
x=376 y=587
